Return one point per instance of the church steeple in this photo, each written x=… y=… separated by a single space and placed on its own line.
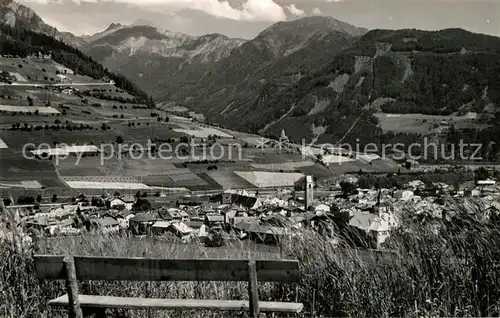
x=378 y=196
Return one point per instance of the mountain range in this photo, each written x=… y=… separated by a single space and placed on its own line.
x=316 y=77
x=162 y=62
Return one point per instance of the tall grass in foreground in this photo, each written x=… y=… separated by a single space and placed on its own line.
x=445 y=269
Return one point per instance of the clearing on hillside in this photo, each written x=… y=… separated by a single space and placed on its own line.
x=107 y=185
x=29 y=109
x=203 y=132
x=419 y=123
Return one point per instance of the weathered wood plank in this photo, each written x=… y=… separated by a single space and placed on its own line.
x=253 y=293
x=72 y=288
x=180 y=304
x=143 y=269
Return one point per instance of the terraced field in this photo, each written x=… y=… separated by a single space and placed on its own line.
x=421 y=124
x=13 y=167
x=286 y=166
x=29 y=109
x=229 y=180
x=263 y=179
x=107 y=185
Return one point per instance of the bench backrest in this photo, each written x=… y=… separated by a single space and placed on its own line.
x=146 y=269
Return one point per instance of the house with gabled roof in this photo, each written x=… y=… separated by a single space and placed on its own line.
x=142 y=222
x=108 y=224
x=371 y=230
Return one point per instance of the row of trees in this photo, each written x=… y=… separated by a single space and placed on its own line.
x=28 y=200
x=46 y=127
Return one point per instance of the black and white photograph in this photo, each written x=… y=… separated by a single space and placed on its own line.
x=249 y=158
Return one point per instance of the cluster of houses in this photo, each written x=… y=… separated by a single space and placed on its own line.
x=366 y=217
x=241 y=215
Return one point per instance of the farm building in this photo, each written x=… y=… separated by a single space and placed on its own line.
x=177 y=229
x=140 y=223
x=170 y=214
x=253 y=229
x=213 y=220
x=108 y=224
x=123 y=217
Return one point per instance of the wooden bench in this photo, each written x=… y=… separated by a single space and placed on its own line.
x=72 y=269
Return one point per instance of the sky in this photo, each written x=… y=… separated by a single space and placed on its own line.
x=246 y=18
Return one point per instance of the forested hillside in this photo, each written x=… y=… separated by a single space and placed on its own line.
x=398 y=71
x=21 y=42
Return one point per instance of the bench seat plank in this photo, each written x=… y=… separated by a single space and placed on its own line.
x=186 y=304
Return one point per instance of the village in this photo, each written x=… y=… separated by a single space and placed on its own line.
x=362 y=217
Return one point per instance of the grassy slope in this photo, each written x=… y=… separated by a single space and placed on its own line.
x=442 y=273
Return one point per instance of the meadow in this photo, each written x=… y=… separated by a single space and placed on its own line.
x=422 y=124
x=439 y=269
x=95 y=112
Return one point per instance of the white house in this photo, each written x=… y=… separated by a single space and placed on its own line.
x=403 y=195
x=486 y=182
x=126 y=202
x=321 y=208
x=376 y=226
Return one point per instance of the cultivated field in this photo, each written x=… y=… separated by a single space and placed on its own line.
x=13 y=167
x=107 y=185
x=229 y=180
x=203 y=132
x=87 y=120
x=106 y=179
x=17 y=139
x=21 y=184
x=336 y=159
x=421 y=124
x=188 y=180
x=375 y=166
x=286 y=166
x=29 y=109
x=263 y=179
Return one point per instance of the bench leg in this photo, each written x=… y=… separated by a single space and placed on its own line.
x=252 y=290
